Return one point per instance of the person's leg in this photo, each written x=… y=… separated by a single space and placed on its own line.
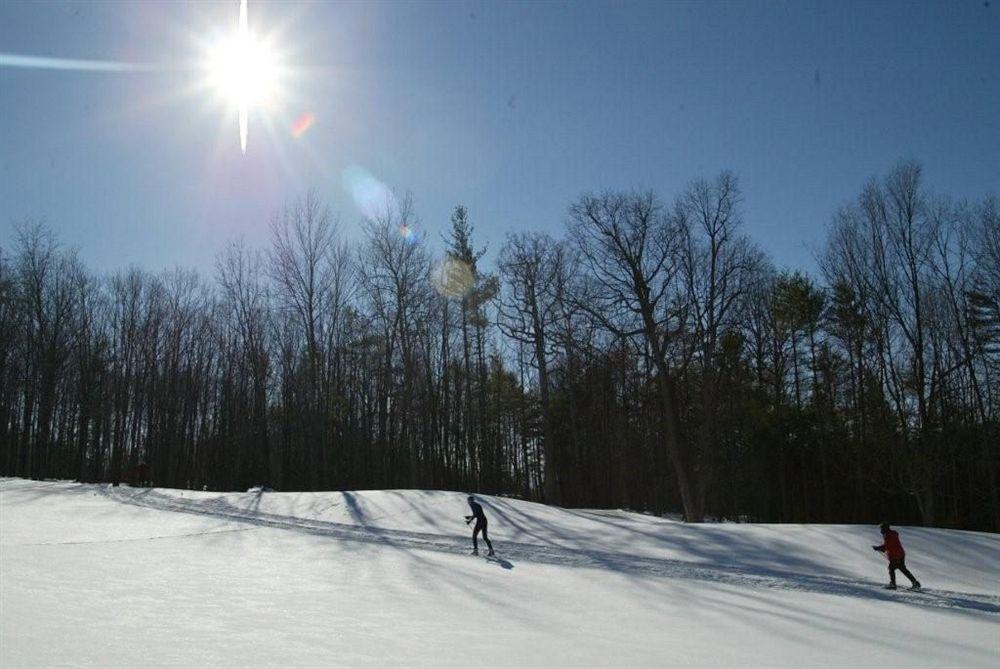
x=475 y=533
x=487 y=539
x=892 y=574
x=907 y=574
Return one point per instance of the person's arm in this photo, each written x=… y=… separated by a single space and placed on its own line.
x=880 y=549
x=468 y=519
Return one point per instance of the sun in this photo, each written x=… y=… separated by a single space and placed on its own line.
x=244 y=72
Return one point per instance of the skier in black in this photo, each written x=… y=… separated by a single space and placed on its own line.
x=480 y=518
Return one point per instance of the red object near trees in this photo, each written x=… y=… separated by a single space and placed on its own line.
x=893 y=547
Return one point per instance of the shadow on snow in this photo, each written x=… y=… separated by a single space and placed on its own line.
x=761 y=577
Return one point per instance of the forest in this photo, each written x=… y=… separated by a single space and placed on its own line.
x=650 y=358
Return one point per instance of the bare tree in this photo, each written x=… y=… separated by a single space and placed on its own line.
x=631 y=250
x=528 y=310
x=718 y=267
x=304 y=272
x=394 y=276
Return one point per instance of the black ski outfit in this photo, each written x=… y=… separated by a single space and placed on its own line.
x=480 y=518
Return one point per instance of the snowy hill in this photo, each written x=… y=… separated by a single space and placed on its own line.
x=91 y=574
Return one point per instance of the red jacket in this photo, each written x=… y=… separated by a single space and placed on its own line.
x=893 y=548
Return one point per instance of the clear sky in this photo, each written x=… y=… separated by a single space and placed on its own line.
x=513 y=109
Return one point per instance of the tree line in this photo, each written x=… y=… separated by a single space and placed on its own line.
x=652 y=358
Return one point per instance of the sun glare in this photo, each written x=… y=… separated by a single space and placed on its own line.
x=243 y=70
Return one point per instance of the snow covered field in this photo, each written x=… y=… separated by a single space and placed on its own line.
x=101 y=576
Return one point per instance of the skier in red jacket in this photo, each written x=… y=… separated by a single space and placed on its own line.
x=893 y=550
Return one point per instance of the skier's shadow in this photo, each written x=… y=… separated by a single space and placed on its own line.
x=506 y=564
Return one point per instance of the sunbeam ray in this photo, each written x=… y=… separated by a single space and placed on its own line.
x=46 y=63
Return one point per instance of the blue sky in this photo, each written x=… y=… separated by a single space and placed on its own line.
x=513 y=109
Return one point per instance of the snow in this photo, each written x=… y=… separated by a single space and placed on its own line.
x=95 y=575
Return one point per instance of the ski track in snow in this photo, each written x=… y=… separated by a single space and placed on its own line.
x=158 y=537
x=617 y=562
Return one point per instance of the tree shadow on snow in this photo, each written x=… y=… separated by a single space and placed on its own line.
x=758 y=577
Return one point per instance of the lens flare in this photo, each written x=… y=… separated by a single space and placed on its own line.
x=410 y=235
x=46 y=63
x=302 y=124
x=452 y=278
x=372 y=197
